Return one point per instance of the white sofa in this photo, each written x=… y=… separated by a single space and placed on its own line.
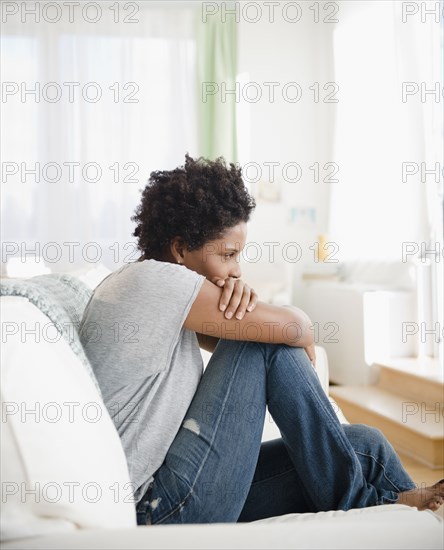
x=65 y=481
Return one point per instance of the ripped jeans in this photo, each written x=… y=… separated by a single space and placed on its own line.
x=217 y=469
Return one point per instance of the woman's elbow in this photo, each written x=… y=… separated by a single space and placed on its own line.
x=299 y=331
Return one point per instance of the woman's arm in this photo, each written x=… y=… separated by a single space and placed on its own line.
x=208 y=343
x=266 y=323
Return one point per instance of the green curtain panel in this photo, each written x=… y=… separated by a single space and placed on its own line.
x=216 y=75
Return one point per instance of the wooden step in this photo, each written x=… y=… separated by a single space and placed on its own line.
x=413 y=428
x=420 y=380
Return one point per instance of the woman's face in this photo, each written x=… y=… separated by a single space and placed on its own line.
x=220 y=257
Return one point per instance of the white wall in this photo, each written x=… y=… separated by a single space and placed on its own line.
x=282 y=131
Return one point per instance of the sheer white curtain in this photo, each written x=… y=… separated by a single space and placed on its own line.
x=387 y=206
x=92 y=157
x=373 y=211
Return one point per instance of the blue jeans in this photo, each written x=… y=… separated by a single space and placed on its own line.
x=217 y=470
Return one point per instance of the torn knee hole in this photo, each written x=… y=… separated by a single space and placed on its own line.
x=192 y=425
x=155 y=503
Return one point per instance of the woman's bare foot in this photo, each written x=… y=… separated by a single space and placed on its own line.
x=426 y=498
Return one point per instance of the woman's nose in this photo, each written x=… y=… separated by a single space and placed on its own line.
x=236 y=272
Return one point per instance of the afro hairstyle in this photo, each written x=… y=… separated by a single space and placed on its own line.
x=197 y=202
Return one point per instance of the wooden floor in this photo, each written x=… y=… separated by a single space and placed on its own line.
x=422 y=475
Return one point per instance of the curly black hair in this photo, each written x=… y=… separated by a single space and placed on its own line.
x=197 y=202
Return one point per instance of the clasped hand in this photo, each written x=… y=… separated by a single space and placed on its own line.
x=237 y=298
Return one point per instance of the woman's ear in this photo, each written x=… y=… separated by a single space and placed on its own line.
x=176 y=247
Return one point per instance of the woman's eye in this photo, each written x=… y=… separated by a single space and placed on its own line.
x=230 y=255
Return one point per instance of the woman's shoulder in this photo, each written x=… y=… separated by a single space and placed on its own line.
x=141 y=267
x=154 y=273
x=164 y=269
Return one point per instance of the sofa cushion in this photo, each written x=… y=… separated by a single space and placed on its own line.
x=62 y=298
x=380 y=527
x=63 y=465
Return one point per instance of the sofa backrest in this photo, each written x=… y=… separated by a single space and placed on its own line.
x=62 y=462
x=62 y=298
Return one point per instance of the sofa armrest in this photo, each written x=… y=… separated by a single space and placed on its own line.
x=322 y=367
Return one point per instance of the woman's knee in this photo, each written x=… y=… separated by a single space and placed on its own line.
x=366 y=438
x=281 y=359
x=233 y=345
x=272 y=354
x=299 y=355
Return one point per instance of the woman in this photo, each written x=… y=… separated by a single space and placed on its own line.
x=193 y=440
